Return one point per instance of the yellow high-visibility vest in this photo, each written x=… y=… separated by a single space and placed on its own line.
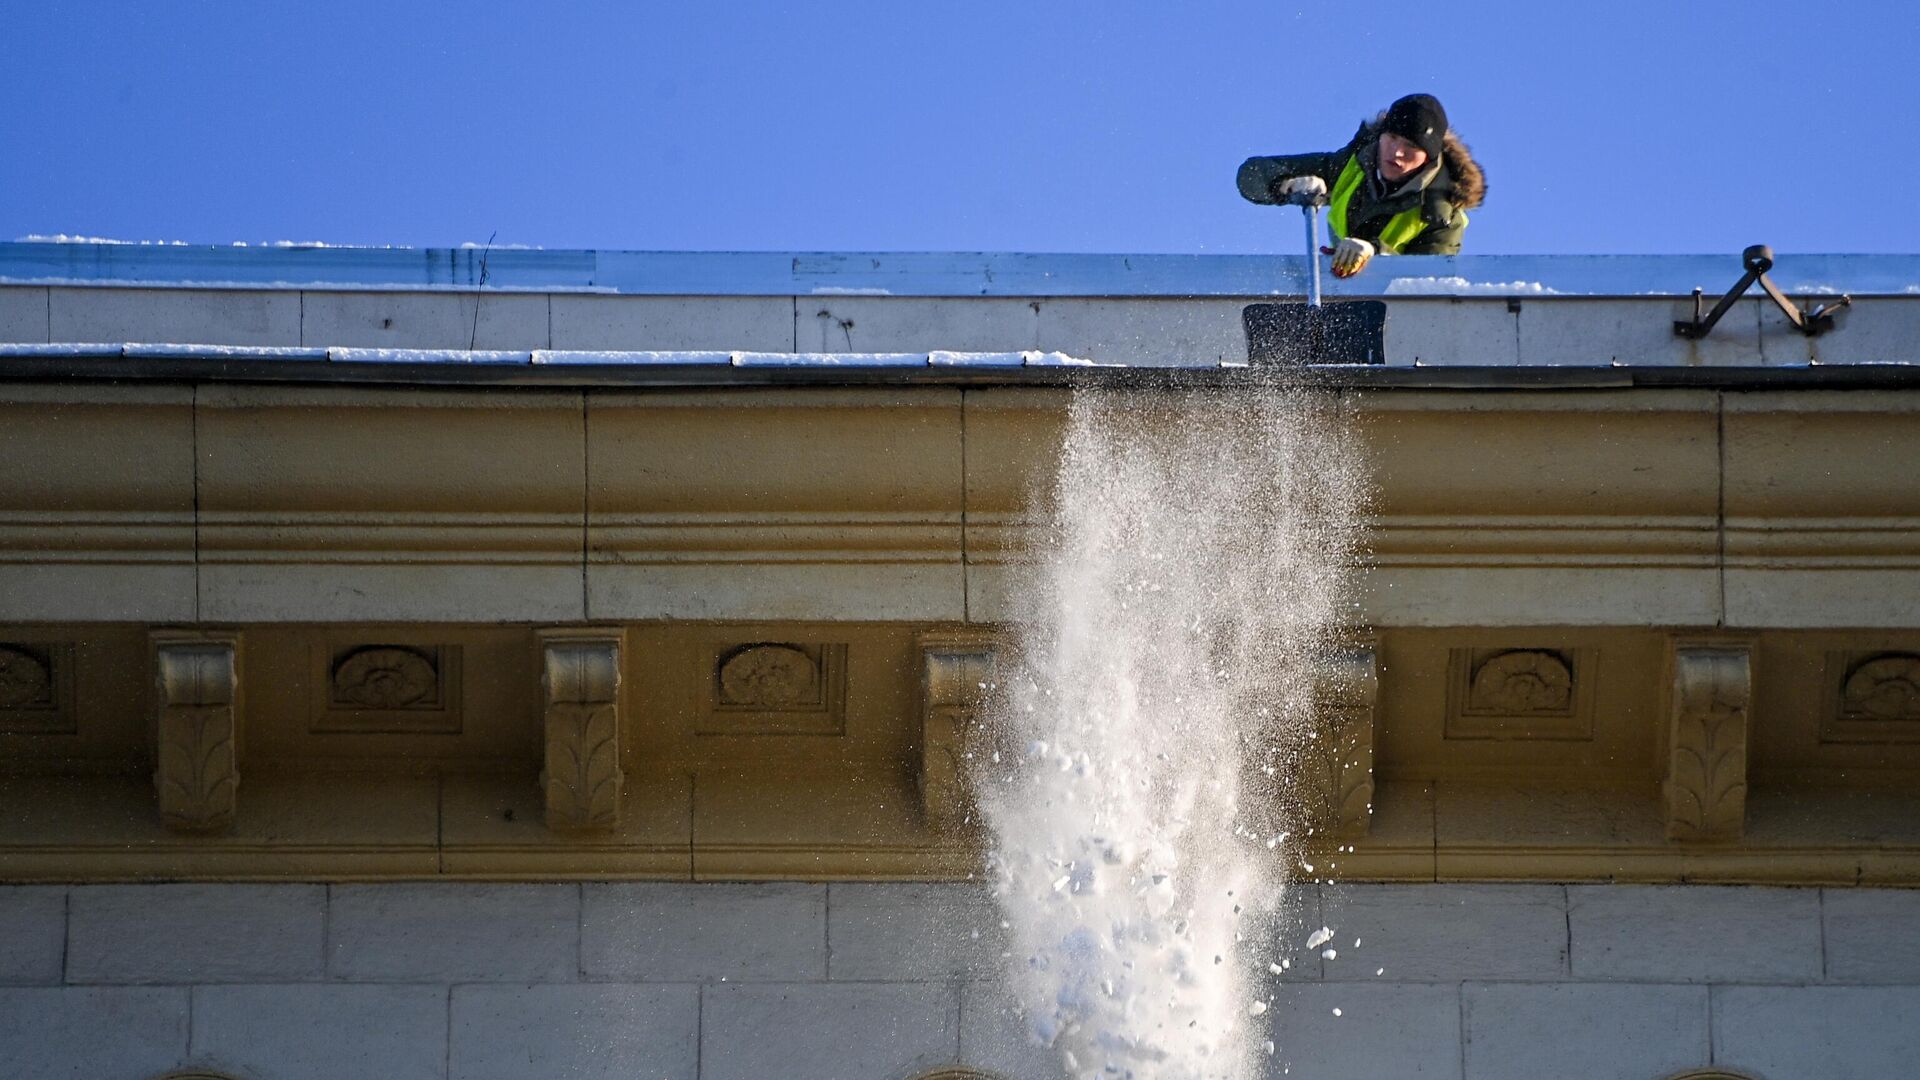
x=1401 y=227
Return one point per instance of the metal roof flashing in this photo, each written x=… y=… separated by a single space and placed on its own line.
x=922 y=274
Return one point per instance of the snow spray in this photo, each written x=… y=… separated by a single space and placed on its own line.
x=1192 y=570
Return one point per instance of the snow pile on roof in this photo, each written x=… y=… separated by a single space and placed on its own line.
x=1459 y=286
x=65 y=238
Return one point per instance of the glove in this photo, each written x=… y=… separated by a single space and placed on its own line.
x=1306 y=187
x=1351 y=257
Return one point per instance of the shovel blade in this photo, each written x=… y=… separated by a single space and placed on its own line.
x=1341 y=332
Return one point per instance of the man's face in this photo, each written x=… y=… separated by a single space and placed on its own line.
x=1399 y=158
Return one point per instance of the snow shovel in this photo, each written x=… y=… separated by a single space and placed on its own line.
x=1345 y=332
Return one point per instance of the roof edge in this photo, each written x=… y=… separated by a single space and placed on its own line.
x=919 y=274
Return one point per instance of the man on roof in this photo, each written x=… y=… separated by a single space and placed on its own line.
x=1403 y=185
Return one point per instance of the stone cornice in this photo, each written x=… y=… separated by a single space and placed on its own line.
x=783 y=598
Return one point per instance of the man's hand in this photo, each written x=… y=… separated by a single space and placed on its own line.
x=1351 y=257
x=1311 y=188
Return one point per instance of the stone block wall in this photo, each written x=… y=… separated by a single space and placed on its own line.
x=888 y=981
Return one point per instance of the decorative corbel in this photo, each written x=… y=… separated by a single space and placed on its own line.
x=1706 y=785
x=1339 y=759
x=956 y=674
x=197 y=729
x=581 y=688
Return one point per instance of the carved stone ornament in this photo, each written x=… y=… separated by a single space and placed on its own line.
x=386 y=677
x=1706 y=786
x=768 y=688
x=1521 y=682
x=196 y=697
x=956 y=678
x=1883 y=688
x=406 y=687
x=26 y=682
x=769 y=677
x=1337 y=763
x=582 y=778
x=36 y=688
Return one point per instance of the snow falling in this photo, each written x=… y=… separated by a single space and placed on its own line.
x=1192 y=568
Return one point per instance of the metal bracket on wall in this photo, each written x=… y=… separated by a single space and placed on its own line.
x=1758 y=259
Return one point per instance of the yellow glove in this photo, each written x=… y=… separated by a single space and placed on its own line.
x=1351 y=257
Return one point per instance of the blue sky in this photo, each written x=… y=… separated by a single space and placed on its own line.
x=1627 y=127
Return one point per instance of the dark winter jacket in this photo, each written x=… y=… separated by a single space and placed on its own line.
x=1441 y=190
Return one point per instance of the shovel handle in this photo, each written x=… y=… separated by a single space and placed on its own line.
x=1311 y=211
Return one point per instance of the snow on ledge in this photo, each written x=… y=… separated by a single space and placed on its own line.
x=541 y=357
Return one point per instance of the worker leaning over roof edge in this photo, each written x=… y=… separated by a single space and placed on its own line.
x=1403 y=185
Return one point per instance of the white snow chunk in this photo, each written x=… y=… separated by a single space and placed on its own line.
x=1319 y=937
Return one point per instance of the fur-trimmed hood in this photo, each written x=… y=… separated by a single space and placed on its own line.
x=1462 y=183
x=1469 y=180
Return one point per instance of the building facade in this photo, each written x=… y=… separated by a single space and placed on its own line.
x=457 y=664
